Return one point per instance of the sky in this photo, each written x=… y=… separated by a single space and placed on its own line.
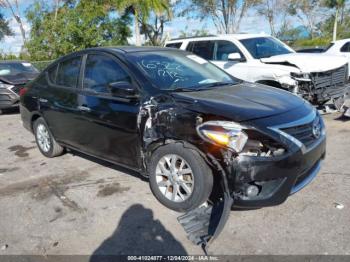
x=250 y=24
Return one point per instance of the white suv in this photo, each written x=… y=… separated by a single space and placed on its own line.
x=264 y=59
x=340 y=48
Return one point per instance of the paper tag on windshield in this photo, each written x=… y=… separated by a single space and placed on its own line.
x=27 y=64
x=197 y=59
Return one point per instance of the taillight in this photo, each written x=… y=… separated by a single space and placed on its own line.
x=22 y=91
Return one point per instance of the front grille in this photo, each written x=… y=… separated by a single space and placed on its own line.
x=304 y=133
x=332 y=78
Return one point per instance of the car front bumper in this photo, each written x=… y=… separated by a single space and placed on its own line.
x=277 y=178
x=8 y=99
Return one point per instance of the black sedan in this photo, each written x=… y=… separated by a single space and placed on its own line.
x=13 y=76
x=205 y=140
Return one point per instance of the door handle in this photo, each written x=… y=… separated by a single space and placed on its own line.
x=84 y=108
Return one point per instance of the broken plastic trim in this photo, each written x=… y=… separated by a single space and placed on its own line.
x=205 y=223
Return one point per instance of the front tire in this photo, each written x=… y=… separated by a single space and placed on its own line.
x=45 y=141
x=179 y=177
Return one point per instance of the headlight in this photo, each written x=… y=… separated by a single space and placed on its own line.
x=301 y=77
x=223 y=133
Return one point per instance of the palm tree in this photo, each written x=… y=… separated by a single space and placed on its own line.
x=141 y=9
x=338 y=5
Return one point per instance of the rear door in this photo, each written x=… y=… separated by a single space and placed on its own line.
x=58 y=101
x=110 y=122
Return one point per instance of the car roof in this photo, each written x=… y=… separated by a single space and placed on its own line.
x=218 y=37
x=130 y=49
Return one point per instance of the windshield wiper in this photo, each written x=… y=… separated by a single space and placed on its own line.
x=183 y=89
x=200 y=87
x=215 y=84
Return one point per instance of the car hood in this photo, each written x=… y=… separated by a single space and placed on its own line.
x=242 y=102
x=307 y=63
x=18 y=79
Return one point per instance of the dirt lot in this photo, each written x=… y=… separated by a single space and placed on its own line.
x=71 y=205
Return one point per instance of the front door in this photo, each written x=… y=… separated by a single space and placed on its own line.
x=110 y=122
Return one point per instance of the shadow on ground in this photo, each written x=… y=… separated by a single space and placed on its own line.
x=138 y=233
x=9 y=111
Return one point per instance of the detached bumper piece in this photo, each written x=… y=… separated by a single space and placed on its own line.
x=205 y=223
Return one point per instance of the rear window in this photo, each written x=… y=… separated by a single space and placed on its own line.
x=203 y=49
x=68 y=72
x=52 y=74
x=174 y=45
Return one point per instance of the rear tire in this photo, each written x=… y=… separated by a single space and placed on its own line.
x=176 y=170
x=45 y=141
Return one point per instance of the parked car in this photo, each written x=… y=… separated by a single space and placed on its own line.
x=340 y=48
x=266 y=60
x=13 y=76
x=206 y=140
x=311 y=50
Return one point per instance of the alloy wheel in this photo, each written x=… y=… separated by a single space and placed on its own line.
x=43 y=138
x=174 y=178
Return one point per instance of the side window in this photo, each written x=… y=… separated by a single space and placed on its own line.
x=223 y=49
x=203 y=49
x=100 y=71
x=345 y=48
x=52 y=72
x=68 y=72
x=174 y=45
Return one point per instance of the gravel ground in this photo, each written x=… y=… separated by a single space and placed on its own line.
x=72 y=205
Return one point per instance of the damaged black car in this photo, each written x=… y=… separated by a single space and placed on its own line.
x=13 y=76
x=206 y=141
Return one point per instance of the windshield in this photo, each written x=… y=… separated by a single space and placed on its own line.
x=169 y=70
x=328 y=47
x=12 y=68
x=262 y=47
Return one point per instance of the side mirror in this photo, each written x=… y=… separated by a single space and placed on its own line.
x=235 y=57
x=123 y=89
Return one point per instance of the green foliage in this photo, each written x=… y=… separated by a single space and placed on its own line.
x=5 y=30
x=322 y=41
x=343 y=28
x=78 y=25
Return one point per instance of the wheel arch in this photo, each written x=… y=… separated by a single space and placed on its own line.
x=152 y=147
x=34 y=117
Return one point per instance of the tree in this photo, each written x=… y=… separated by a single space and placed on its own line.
x=225 y=14
x=77 y=25
x=5 y=30
x=14 y=8
x=141 y=9
x=339 y=6
x=273 y=10
x=153 y=29
x=309 y=13
x=193 y=33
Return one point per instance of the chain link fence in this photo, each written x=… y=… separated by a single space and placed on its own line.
x=41 y=65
